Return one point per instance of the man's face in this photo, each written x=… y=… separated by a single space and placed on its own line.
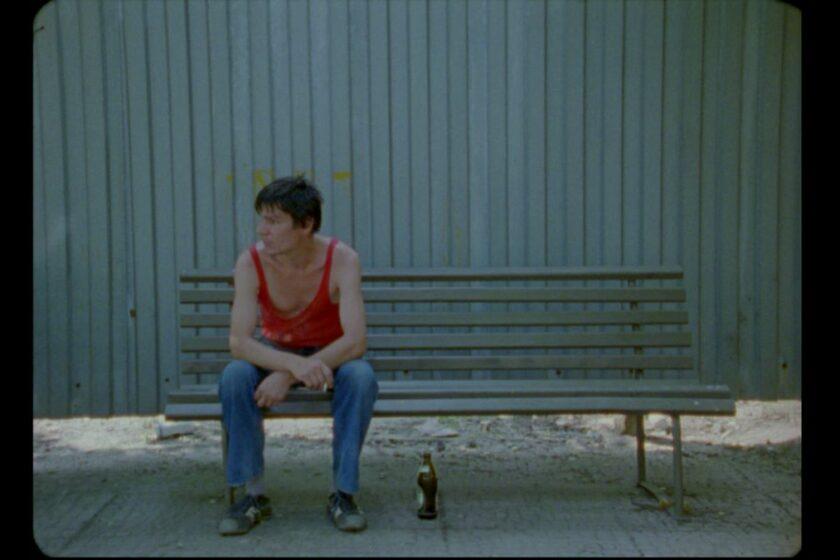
x=277 y=232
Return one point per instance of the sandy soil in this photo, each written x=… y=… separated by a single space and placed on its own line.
x=756 y=426
x=760 y=446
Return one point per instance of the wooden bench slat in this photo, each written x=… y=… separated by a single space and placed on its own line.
x=486 y=341
x=425 y=363
x=491 y=388
x=520 y=318
x=489 y=273
x=386 y=295
x=527 y=318
x=388 y=363
x=480 y=406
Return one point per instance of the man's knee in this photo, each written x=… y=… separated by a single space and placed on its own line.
x=238 y=377
x=359 y=377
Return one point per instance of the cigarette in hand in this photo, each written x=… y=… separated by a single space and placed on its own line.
x=324 y=388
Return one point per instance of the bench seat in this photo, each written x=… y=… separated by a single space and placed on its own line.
x=477 y=397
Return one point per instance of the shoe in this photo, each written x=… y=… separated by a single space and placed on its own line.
x=344 y=513
x=244 y=514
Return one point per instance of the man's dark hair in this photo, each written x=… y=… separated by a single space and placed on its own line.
x=295 y=196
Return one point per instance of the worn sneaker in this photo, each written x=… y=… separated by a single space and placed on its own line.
x=345 y=514
x=244 y=514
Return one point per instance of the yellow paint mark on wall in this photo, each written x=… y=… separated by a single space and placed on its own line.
x=263 y=176
x=309 y=174
x=259 y=178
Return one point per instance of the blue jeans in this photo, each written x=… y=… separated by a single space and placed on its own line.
x=354 y=395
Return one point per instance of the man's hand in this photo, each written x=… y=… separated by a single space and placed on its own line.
x=273 y=389
x=313 y=373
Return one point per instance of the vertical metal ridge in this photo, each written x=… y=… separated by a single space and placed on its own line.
x=699 y=252
x=87 y=376
x=68 y=294
x=408 y=119
x=429 y=128
x=351 y=144
x=41 y=400
x=779 y=175
x=131 y=381
x=156 y=321
x=329 y=177
x=191 y=108
x=506 y=128
x=272 y=113
x=390 y=130
x=545 y=130
x=467 y=113
x=369 y=146
x=662 y=93
x=111 y=303
x=235 y=163
x=584 y=127
x=623 y=127
x=291 y=86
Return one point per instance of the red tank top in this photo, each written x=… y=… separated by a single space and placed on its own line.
x=317 y=325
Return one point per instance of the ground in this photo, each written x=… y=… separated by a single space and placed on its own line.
x=559 y=485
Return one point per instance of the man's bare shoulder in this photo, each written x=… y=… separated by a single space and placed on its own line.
x=345 y=257
x=244 y=260
x=245 y=264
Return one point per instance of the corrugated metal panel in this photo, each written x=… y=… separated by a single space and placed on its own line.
x=442 y=132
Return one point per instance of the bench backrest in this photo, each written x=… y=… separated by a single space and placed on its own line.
x=463 y=323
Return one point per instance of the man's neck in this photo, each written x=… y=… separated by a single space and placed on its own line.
x=300 y=258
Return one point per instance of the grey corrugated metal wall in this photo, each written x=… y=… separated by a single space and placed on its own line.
x=442 y=132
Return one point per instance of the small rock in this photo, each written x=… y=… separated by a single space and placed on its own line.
x=563 y=424
x=662 y=425
x=433 y=428
x=167 y=431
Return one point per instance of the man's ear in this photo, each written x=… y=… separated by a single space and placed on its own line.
x=309 y=224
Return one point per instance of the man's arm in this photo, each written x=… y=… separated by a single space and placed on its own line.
x=351 y=309
x=243 y=321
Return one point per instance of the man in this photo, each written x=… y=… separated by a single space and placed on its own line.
x=307 y=291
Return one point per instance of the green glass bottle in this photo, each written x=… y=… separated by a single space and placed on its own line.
x=427 y=488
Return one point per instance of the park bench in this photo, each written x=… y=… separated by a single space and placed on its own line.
x=585 y=340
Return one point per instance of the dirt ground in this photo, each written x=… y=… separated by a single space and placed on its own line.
x=743 y=477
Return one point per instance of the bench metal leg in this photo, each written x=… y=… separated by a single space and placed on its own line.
x=229 y=490
x=676 y=503
x=641 y=466
x=678 y=466
x=640 y=449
